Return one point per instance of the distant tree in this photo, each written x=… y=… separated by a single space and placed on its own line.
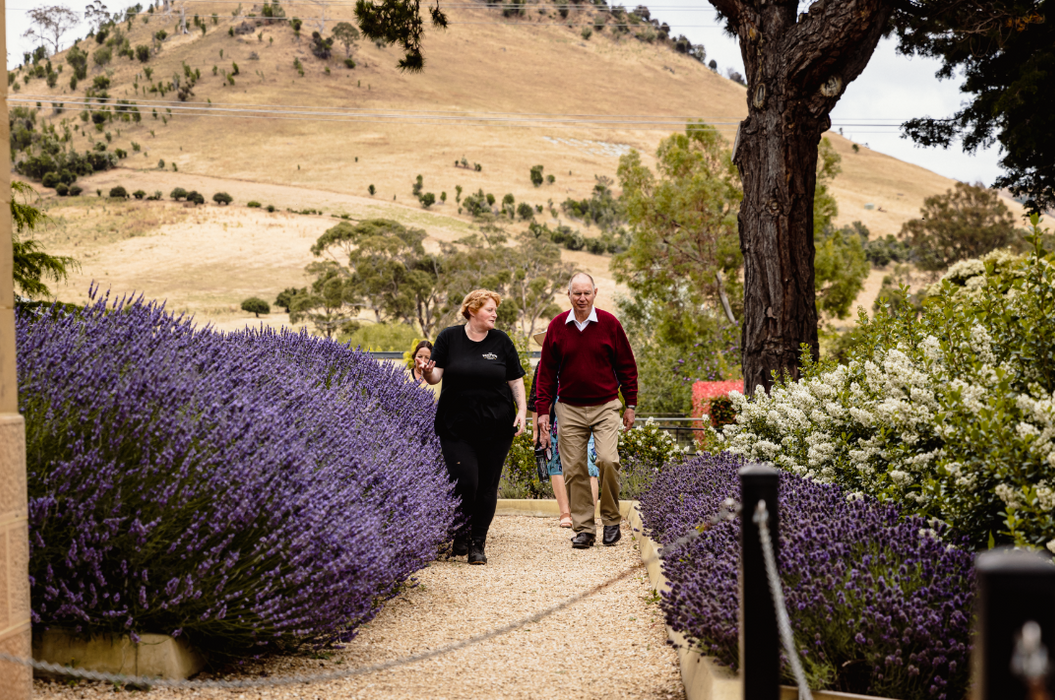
x=965 y=222
x=102 y=55
x=535 y=275
x=195 y=196
x=32 y=266
x=222 y=198
x=143 y=53
x=178 y=193
x=50 y=23
x=371 y=189
x=347 y=35
x=285 y=297
x=78 y=61
x=256 y=305
x=118 y=192
x=296 y=24
x=96 y=15
x=536 y=175
x=321 y=48
x=525 y=211
x=328 y=304
x=428 y=199
x=139 y=194
x=713 y=65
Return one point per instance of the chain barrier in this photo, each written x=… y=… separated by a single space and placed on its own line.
x=729 y=510
x=761 y=518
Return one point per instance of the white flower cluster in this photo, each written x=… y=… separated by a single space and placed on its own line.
x=911 y=427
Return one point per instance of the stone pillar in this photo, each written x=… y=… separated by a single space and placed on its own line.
x=15 y=634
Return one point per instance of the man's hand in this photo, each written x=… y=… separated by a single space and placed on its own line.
x=543 y=430
x=628 y=419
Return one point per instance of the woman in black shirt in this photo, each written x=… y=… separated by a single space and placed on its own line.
x=475 y=417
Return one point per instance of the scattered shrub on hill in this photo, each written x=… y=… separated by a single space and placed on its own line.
x=879 y=604
x=271 y=208
x=427 y=200
x=371 y=189
x=195 y=197
x=586 y=33
x=525 y=211
x=192 y=489
x=253 y=204
x=950 y=415
x=550 y=179
x=118 y=192
x=536 y=175
x=178 y=193
x=321 y=48
x=223 y=198
x=256 y=305
x=78 y=61
x=62 y=189
x=349 y=63
x=75 y=190
x=143 y=53
x=285 y=297
x=298 y=66
x=102 y=56
x=477 y=204
x=139 y=194
x=50 y=179
x=161 y=164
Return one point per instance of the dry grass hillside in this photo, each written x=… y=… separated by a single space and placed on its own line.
x=488 y=94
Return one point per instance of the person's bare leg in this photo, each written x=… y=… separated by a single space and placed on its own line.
x=561 y=494
x=593 y=488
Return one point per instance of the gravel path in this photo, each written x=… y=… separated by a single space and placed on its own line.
x=609 y=645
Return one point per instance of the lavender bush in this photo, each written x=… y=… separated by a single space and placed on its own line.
x=877 y=602
x=254 y=491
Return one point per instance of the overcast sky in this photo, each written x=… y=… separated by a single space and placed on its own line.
x=892 y=88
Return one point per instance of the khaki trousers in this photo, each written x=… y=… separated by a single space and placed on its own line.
x=574 y=425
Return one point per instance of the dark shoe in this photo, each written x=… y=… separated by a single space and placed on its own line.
x=583 y=540
x=476 y=553
x=461 y=546
x=612 y=534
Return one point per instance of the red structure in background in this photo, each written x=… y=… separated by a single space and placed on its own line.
x=703 y=393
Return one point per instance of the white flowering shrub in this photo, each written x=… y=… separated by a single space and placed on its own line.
x=951 y=414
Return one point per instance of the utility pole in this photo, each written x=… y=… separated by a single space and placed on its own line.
x=15 y=629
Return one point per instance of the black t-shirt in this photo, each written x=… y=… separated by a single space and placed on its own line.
x=476 y=400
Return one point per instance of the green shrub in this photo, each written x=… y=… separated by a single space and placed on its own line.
x=427 y=200
x=75 y=190
x=271 y=208
x=587 y=33
x=102 y=56
x=143 y=53
x=536 y=175
x=949 y=414
x=253 y=204
x=118 y=192
x=222 y=198
x=195 y=197
x=256 y=305
x=382 y=336
x=525 y=211
x=50 y=179
x=161 y=164
x=139 y=194
x=349 y=63
x=371 y=189
x=62 y=189
x=178 y=193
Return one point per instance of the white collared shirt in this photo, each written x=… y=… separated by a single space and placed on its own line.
x=582 y=326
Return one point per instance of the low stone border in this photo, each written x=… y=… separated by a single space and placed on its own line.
x=155 y=656
x=703 y=677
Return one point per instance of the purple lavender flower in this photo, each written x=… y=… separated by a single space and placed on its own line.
x=878 y=604
x=251 y=490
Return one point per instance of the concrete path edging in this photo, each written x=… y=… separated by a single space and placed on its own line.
x=155 y=655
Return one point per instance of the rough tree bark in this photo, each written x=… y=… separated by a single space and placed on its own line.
x=797 y=68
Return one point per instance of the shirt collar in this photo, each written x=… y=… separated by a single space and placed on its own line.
x=591 y=317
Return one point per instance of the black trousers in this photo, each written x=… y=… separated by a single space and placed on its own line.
x=475 y=467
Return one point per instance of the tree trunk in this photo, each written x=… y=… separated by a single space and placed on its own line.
x=797 y=68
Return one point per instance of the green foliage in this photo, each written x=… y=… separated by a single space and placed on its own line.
x=525 y=211
x=376 y=337
x=349 y=63
x=285 y=297
x=427 y=200
x=223 y=198
x=347 y=35
x=253 y=204
x=950 y=414
x=143 y=53
x=587 y=33
x=398 y=22
x=602 y=208
x=320 y=47
x=118 y=192
x=78 y=61
x=102 y=56
x=178 y=193
x=965 y=222
x=256 y=305
x=139 y=194
x=372 y=190
x=32 y=266
x=195 y=197
x=536 y=175
x=649 y=446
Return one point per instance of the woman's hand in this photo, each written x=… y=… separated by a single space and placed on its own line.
x=517 y=385
x=521 y=424
x=428 y=370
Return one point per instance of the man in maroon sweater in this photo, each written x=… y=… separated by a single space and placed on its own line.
x=586 y=361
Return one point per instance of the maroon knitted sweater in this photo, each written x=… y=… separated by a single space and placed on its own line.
x=587 y=367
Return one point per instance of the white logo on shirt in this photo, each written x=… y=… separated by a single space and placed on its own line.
x=490 y=356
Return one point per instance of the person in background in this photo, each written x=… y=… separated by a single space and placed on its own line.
x=586 y=362
x=423 y=352
x=482 y=407
x=556 y=473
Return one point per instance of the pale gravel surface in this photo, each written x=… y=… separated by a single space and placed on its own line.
x=606 y=646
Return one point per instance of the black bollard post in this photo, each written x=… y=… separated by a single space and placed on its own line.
x=1014 y=588
x=759 y=638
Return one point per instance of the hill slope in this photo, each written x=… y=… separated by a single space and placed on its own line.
x=376 y=126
